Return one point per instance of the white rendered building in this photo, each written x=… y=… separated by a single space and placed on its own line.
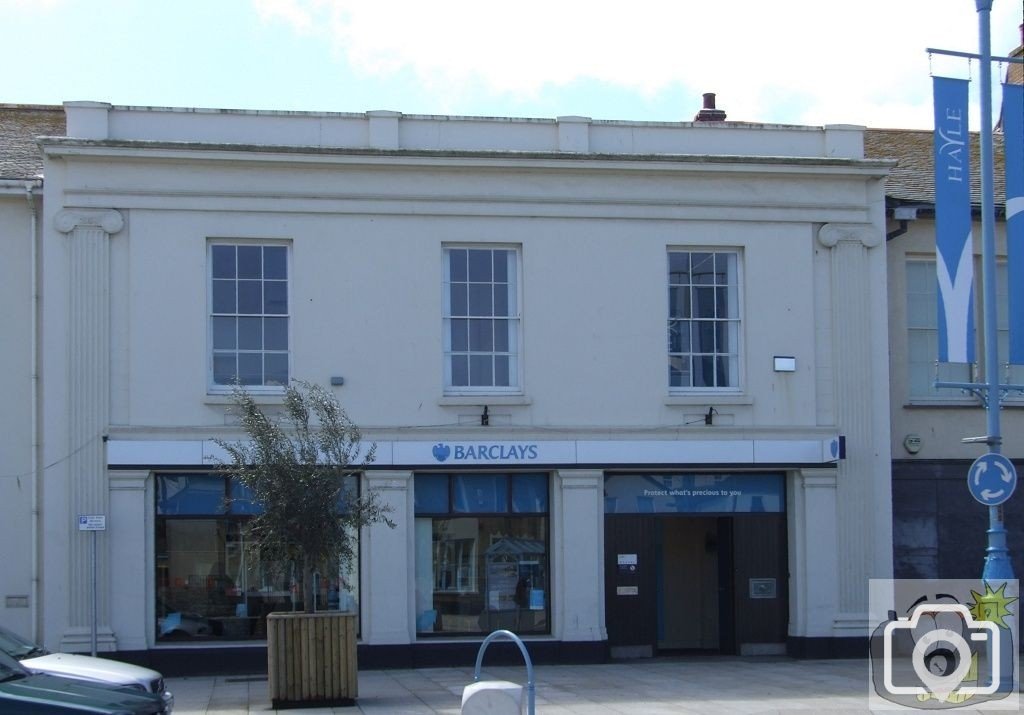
x=627 y=381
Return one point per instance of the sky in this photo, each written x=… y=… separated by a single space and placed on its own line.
x=806 y=62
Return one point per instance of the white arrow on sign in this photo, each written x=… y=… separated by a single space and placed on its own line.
x=1007 y=477
x=989 y=494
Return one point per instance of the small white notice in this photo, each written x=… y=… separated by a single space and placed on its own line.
x=92 y=522
x=627 y=591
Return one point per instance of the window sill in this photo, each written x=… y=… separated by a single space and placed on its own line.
x=260 y=398
x=959 y=404
x=482 y=400
x=709 y=398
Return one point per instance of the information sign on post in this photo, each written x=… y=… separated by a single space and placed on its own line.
x=93 y=523
x=992 y=479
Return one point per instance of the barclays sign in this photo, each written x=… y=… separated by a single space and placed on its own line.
x=484 y=452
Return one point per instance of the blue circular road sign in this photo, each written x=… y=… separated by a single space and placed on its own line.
x=991 y=479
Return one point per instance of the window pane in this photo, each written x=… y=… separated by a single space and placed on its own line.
x=501 y=335
x=501 y=263
x=250 y=297
x=276 y=372
x=224 y=296
x=703 y=271
x=679 y=372
x=460 y=370
x=241 y=499
x=704 y=302
x=225 y=368
x=480 y=300
x=703 y=371
x=479 y=493
x=678 y=268
x=224 y=334
x=223 y=258
x=275 y=262
x=210 y=585
x=459 y=300
x=722 y=335
x=250 y=368
x=481 y=371
x=502 y=371
x=722 y=372
x=703 y=336
x=250 y=333
x=501 y=299
x=481 y=336
x=480 y=266
x=275 y=297
x=459 y=334
x=430 y=493
x=250 y=262
x=190 y=494
x=457 y=258
x=481 y=574
x=529 y=493
x=679 y=302
x=275 y=333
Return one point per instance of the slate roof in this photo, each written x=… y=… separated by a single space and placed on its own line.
x=20 y=124
x=912 y=180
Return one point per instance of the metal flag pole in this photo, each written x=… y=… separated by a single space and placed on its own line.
x=997 y=561
x=992 y=477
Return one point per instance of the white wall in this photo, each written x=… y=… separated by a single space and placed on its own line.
x=17 y=480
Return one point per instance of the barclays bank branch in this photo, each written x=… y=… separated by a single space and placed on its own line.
x=606 y=391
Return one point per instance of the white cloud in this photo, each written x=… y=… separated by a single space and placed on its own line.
x=807 y=60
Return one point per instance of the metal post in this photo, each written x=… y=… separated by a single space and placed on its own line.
x=95 y=591
x=997 y=562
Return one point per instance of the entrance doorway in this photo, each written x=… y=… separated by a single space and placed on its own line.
x=688 y=583
x=686 y=562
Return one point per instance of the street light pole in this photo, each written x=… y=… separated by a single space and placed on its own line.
x=997 y=561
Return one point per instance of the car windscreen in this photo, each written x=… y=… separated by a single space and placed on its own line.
x=17 y=647
x=10 y=669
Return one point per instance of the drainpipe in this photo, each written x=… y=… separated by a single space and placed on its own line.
x=33 y=599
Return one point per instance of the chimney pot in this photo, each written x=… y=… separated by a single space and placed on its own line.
x=709 y=113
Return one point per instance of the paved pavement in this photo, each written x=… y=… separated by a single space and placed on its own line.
x=644 y=687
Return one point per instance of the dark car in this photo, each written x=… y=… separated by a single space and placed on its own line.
x=37 y=659
x=24 y=693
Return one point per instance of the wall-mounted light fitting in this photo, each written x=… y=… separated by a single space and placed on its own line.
x=337 y=380
x=785 y=363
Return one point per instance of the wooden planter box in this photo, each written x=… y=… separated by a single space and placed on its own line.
x=311 y=659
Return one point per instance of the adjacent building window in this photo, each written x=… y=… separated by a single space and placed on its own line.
x=481 y=319
x=208 y=585
x=923 y=336
x=249 y=315
x=482 y=553
x=703 y=320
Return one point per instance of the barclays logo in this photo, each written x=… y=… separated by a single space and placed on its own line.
x=441 y=451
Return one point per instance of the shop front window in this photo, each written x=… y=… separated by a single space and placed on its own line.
x=482 y=556
x=209 y=586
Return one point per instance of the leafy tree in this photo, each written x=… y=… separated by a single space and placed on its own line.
x=300 y=468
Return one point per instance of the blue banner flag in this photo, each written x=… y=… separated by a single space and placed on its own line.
x=1013 y=146
x=954 y=252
